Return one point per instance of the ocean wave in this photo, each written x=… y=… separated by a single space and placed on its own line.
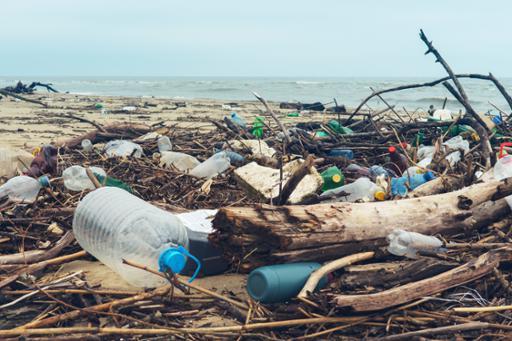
x=307 y=82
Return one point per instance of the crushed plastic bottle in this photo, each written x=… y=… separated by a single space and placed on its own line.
x=13 y=161
x=76 y=178
x=181 y=161
x=123 y=148
x=112 y=225
x=405 y=243
x=213 y=166
x=503 y=167
x=361 y=189
x=87 y=146
x=401 y=186
x=164 y=144
x=23 y=189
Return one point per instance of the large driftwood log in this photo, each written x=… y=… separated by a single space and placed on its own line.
x=465 y=273
x=326 y=231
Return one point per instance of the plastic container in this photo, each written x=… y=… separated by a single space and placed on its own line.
x=13 y=161
x=405 y=243
x=361 y=189
x=213 y=166
x=87 y=146
x=181 y=161
x=23 y=189
x=76 y=178
x=332 y=178
x=503 y=167
x=112 y=225
x=123 y=148
x=338 y=152
x=164 y=144
x=442 y=115
x=278 y=283
x=401 y=186
x=398 y=159
x=239 y=121
x=234 y=158
x=199 y=226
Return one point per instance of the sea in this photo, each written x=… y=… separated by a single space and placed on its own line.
x=349 y=91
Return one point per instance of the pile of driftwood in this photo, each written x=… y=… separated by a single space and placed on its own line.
x=464 y=291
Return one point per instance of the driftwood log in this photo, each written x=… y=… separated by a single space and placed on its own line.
x=267 y=234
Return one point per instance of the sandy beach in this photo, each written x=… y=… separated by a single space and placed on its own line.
x=27 y=125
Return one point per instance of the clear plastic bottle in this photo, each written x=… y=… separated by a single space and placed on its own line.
x=361 y=189
x=164 y=144
x=216 y=164
x=123 y=148
x=24 y=189
x=181 y=161
x=87 y=146
x=112 y=225
x=76 y=178
x=405 y=243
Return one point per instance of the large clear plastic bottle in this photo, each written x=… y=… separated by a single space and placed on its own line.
x=361 y=189
x=112 y=225
x=216 y=164
x=23 y=188
x=76 y=178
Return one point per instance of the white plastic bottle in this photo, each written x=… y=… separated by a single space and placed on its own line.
x=503 y=168
x=361 y=189
x=112 y=225
x=181 y=161
x=164 y=144
x=405 y=243
x=23 y=189
x=76 y=178
x=216 y=164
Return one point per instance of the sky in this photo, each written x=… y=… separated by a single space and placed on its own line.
x=282 y=38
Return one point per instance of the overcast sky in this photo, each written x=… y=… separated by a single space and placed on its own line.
x=251 y=38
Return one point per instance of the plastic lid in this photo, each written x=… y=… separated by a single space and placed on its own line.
x=392 y=149
x=44 y=181
x=429 y=176
x=175 y=259
x=336 y=178
x=380 y=195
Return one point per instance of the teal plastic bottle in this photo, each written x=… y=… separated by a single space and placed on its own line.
x=278 y=283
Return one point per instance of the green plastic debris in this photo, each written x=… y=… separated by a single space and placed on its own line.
x=293 y=114
x=112 y=182
x=321 y=133
x=332 y=178
x=98 y=106
x=337 y=127
x=257 y=127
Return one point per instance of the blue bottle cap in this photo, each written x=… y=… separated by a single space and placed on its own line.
x=174 y=259
x=44 y=181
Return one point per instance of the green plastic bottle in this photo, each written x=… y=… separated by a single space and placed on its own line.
x=112 y=182
x=293 y=114
x=337 y=127
x=257 y=127
x=332 y=178
x=321 y=133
